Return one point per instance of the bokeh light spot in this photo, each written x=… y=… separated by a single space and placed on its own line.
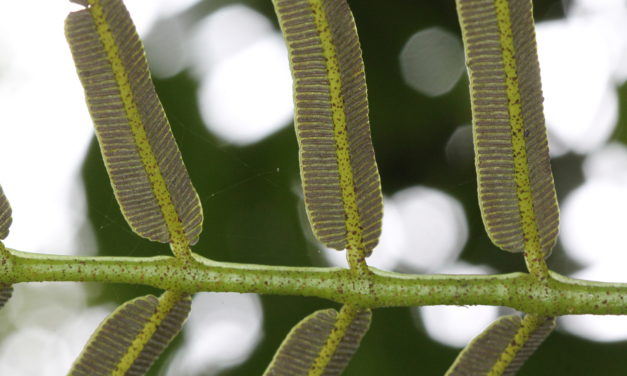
x=582 y=61
x=249 y=97
x=593 y=233
x=44 y=328
x=594 y=214
x=222 y=331
x=432 y=61
x=223 y=34
x=459 y=147
x=455 y=326
x=423 y=229
x=435 y=226
x=606 y=328
x=391 y=243
x=245 y=92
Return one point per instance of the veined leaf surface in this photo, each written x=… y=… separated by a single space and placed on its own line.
x=5 y=294
x=5 y=222
x=338 y=168
x=147 y=173
x=5 y=215
x=321 y=344
x=516 y=190
x=503 y=347
x=131 y=338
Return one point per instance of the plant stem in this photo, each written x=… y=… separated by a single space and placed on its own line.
x=557 y=296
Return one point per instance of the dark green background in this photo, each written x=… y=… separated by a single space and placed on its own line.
x=251 y=210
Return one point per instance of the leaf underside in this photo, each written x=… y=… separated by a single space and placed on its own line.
x=534 y=341
x=5 y=215
x=5 y=222
x=5 y=294
x=131 y=338
x=305 y=343
x=503 y=347
x=144 y=164
x=338 y=169
x=516 y=190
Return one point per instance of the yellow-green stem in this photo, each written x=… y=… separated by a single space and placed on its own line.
x=556 y=296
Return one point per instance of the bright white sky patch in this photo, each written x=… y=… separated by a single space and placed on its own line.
x=581 y=61
x=45 y=128
x=146 y=13
x=432 y=61
x=53 y=324
x=222 y=330
x=249 y=96
x=166 y=48
x=163 y=33
x=608 y=163
x=246 y=88
x=423 y=229
x=223 y=34
x=392 y=242
x=594 y=215
x=593 y=233
x=435 y=228
x=593 y=222
x=455 y=326
x=594 y=327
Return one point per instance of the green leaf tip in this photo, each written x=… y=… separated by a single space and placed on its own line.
x=515 y=183
x=321 y=344
x=503 y=347
x=147 y=172
x=340 y=178
x=131 y=338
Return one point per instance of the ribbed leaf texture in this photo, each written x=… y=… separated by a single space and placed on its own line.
x=131 y=338
x=5 y=215
x=5 y=222
x=503 y=347
x=534 y=341
x=516 y=190
x=144 y=164
x=338 y=168
x=5 y=293
x=306 y=343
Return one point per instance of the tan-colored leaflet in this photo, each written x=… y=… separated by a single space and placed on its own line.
x=516 y=190
x=131 y=338
x=338 y=168
x=5 y=293
x=5 y=222
x=147 y=173
x=503 y=347
x=535 y=329
x=5 y=215
x=309 y=340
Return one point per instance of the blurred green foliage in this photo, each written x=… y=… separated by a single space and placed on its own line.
x=251 y=201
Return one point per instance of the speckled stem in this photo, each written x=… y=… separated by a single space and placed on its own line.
x=557 y=296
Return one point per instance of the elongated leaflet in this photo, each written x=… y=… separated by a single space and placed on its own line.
x=147 y=173
x=5 y=215
x=533 y=331
x=338 y=169
x=131 y=338
x=321 y=344
x=503 y=347
x=516 y=190
x=6 y=291
x=5 y=222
